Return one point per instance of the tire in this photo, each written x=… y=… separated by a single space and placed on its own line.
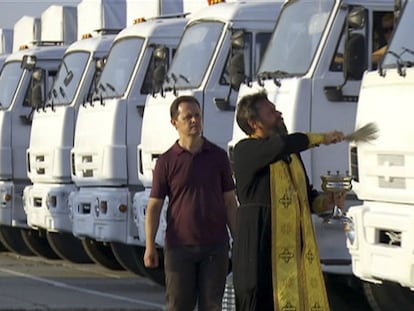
x=345 y=293
x=389 y=296
x=126 y=256
x=68 y=247
x=37 y=242
x=12 y=240
x=2 y=247
x=101 y=253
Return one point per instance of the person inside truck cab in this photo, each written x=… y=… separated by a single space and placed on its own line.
x=383 y=38
x=382 y=35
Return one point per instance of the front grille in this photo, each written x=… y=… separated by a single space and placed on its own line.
x=354 y=163
x=389 y=237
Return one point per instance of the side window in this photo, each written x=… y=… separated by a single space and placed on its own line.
x=225 y=76
x=338 y=58
x=149 y=84
x=99 y=66
x=36 y=91
x=383 y=29
x=262 y=40
x=238 y=56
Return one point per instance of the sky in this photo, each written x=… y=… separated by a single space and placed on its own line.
x=12 y=10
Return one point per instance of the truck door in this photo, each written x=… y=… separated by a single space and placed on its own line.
x=349 y=52
x=235 y=65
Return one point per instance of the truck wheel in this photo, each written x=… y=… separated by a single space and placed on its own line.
x=68 y=247
x=125 y=254
x=36 y=241
x=101 y=253
x=155 y=274
x=12 y=240
x=2 y=247
x=388 y=296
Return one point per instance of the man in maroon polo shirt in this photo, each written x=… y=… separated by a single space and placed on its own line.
x=196 y=176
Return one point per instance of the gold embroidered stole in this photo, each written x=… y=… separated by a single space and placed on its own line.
x=298 y=282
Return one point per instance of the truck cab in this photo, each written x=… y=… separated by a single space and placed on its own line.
x=312 y=72
x=221 y=47
x=24 y=82
x=381 y=235
x=108 y=130
x=51 y=139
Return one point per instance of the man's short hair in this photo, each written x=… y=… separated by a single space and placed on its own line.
x=247 y=110
x=176 y=103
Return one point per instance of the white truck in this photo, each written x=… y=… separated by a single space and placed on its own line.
x=51 y=139
x=6 y=41
x=221 y=47
x=25 y=79
x=2 y=60
x=107 y=132
x=381 y=236
x=312 y=71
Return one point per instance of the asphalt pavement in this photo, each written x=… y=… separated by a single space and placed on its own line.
x=34 y=283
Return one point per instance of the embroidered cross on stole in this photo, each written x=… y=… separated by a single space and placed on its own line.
x=297 y=276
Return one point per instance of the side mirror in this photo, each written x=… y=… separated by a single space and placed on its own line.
x=100 y=63
x=37 y=96
x=237 y=40
x=158 y=77
x=68 y=78
x=161 y=53
x=37 y=85
x=237 y=73
x=355 y=62
x=356 y=18
x=224 y=104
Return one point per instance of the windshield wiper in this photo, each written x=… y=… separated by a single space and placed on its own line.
x=174 y=79
x=101 y=86
x=278 y=74
x=407 y=50
x=275 y=75
x=62 y=92
x=401 y=64
x=184 y=78
x=110 y=86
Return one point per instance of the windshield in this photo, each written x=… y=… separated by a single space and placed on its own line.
x=401 y=50
x=68 y=78
x=296 y=37
x=9 y=80
x=119 y=67
x=194 y=54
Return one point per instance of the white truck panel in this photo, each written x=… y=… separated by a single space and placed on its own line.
x=15 y=110
x=104 y=156
x=151 y=8
x=52 y=134
x=6 y=41
x=386 y=164
x=157 y=132
x=26 y=30
x=100 y=14
x=376 y=258
x=59 y=23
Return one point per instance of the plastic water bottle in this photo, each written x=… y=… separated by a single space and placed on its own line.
x=229 y=299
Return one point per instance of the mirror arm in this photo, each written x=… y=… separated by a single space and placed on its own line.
x=224 y=103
